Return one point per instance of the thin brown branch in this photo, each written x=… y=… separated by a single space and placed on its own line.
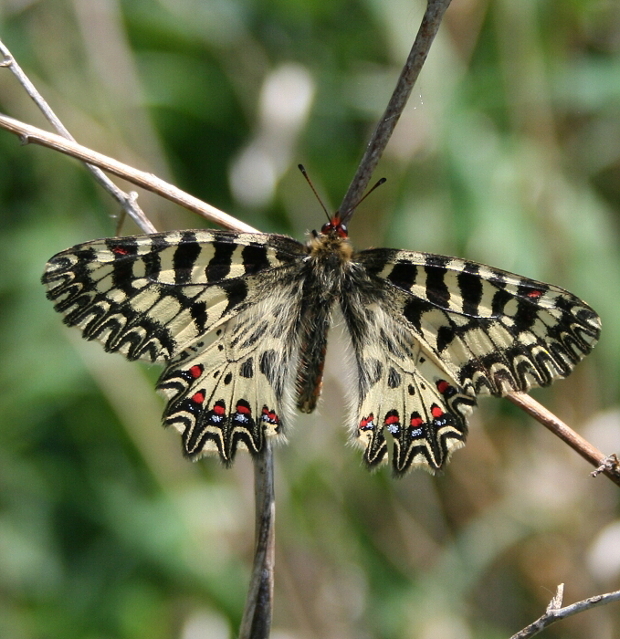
x=147 y=181
x=554 y=612
x=256 y=620
x=127 y=200
x=382 y=134
x=603 y=463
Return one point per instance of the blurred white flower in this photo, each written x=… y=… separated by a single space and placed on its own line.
x=604 y=554
x=284 y=105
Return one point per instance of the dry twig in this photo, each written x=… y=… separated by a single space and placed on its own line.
x=127 y=200
x=555 y=612
x=28 y=134
x=256 y=620
x=382 y=134
x=603 y=463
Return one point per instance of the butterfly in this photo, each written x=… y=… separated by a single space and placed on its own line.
x=241 y=322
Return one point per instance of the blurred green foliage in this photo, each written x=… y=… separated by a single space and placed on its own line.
x=509 y=153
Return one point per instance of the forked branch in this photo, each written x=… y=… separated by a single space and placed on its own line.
x=555 y=612
x=126 y=200
x=31 y=134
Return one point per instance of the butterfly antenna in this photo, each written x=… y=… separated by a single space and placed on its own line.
x=345 y=217
x=303 y=172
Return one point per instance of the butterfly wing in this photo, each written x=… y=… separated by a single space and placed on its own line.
x=209 y=304
x=448 y=330
x=151 y=296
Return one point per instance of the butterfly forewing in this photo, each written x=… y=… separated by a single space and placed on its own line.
x=150 y=297
x=213 y=305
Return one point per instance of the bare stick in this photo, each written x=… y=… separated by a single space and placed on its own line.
x=554 y=611
x=127 y=200
x=256 y=620
x=603 y=463
x=381 y=136
x=148 y=181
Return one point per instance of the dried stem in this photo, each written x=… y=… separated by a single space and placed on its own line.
x=127 y=200
x=382 y=134
x=554 y=611
x=148 y=181
x=603 y=463
x=256 y=620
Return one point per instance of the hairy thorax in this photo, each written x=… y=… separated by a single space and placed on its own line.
x=331 y=258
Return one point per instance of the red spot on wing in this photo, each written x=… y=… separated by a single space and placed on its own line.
x=534 y=295
x=196 y=370
x=119 y=250
x=416 y=420
x=198 y=397
x=219 y=408
x=270 y=416
x=241 y=408
x=367 y=422
x=392 y=419
x=436 y=411
x=442 y=386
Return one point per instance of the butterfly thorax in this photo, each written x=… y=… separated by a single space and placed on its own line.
x=333 y=245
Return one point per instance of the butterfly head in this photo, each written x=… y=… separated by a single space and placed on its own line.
x=331 y=243
x=336 y=227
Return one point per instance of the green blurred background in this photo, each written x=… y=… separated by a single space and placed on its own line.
x=508 y=153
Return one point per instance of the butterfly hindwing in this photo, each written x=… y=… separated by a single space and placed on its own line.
x=403 y=391
x=234 y=387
